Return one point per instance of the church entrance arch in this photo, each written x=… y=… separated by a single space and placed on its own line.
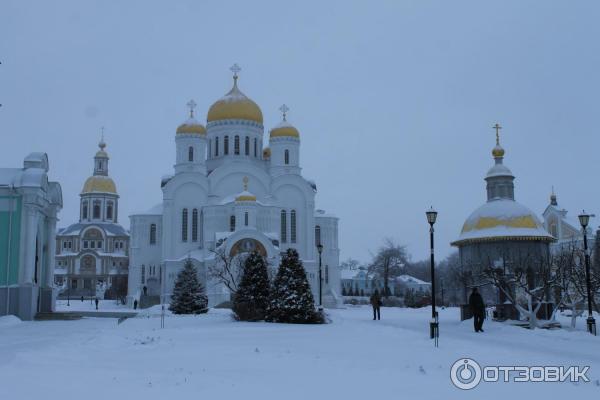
x=247 y=245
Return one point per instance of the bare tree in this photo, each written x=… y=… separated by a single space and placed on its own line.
x=388 y=262
x=526 y=283
x=226 y=269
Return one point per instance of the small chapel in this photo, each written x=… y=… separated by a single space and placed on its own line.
x=232 y=191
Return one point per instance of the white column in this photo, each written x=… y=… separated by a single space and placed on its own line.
x=51 y=237
x=30 y=225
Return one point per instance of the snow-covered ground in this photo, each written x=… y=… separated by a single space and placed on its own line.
x=212 y=356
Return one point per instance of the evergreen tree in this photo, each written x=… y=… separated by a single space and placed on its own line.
x=291 y=299
x=252 y=297
x=188 y=295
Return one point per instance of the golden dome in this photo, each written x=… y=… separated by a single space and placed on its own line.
x=99 y=184
x=191 y=126
x=266 y=153
x=498 y=151
x=284 y=129
x=235 y=105
x=245 y=196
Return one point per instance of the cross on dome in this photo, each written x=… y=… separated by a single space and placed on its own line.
x=284 y=109
x=497 y=127
x=235 y=69
x=191 y=105
x=245 y=180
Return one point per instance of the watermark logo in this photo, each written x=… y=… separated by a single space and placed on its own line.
x=466 y=373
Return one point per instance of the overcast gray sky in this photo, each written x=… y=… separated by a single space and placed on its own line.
x=394 y=99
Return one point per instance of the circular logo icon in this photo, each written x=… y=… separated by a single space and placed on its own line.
x=465 y=373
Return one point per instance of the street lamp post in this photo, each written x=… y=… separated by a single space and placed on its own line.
x=584 y=219
x=320 y=250
x=433 y=326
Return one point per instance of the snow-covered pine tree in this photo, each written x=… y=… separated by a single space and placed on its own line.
x=291 y=299
x=252 y=297
x=188 y=294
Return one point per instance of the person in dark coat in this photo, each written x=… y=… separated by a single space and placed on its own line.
x=376 y=303
x=478 y=309
x=96 y=300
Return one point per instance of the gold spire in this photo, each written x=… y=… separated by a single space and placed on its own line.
x=498 y=151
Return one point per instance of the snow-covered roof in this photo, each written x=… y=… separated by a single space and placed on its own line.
x=109 y=229
x=156 y=210
x=502 y=219
x=411 y=279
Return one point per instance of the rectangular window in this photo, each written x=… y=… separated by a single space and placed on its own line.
x=247 y=146
x=293 y=226
x=195 y=225
x=236 y=145
x=246 y=219
x=184 y=225
x=255 y=148
x=85 y=244
x=216 y=147
x=92 y=244
x=283 y=227
x=226 y=145
x=73 y=283
x=153 y=234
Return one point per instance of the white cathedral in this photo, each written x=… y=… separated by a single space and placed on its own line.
x=231 y=194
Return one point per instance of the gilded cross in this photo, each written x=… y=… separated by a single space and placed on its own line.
x=235 y=69
x=284 y=109
x=191 y=104
x=245 y=183
x=497 y=127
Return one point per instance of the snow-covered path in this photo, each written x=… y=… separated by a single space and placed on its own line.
x=211 y=356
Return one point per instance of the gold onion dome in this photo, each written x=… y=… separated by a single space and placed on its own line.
x=99 y=184
x=235 y=105
x=245 y=196
x=284 y=128
x=191 y=126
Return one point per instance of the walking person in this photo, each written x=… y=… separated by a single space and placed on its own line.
x=376 y=303
x=478 y=309
x=96 y=300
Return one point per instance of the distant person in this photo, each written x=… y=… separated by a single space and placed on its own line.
x=135 y=303
x=145 y=291
x=82 y=299
x=376 y=303
x=96 y=301
x=478 y=309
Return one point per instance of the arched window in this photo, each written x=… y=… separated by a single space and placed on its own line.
x=190 y=154
x=152 y=233
x=236 y=145
x=255 y=147
x=85 y=211
x=232 y=223
x=184 y=225
x=247 y=146
x=283 y=226
x=293 y=226
x=317 y=235
x=109 y=210
x=194 y=225
x=201 y=228
x=216 y=147
x=246 y=218
x=96 y=210
x=226 y=145
x=286 y=156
